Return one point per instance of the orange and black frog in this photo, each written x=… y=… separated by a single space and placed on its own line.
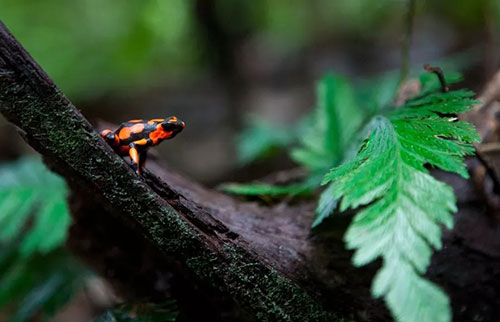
x=134 y=137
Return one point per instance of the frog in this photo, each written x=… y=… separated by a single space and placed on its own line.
x=135 y=137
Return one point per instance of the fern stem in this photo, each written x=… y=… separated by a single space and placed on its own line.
x=440 y=75
x=406 y=41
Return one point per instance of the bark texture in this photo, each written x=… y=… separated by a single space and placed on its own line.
x=223 y=259
x=198 y=245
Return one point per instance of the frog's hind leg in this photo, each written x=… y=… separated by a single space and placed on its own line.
x=143 y=155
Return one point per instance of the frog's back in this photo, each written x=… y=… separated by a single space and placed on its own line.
x=134 y=130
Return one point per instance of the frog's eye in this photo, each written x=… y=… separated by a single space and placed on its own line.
x=173 y=124
x=168 y=126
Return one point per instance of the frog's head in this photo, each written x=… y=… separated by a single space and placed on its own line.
x=173 y=124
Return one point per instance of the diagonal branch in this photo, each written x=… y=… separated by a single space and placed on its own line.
x=201 y=246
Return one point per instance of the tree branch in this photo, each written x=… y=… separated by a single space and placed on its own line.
x=201 y=246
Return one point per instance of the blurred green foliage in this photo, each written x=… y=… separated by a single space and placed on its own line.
x=39 y=284
x=261 y=139
x=93 y=46
x=38 y=276
x=32 y=195
x=263 y=189
x=324 y=138
x=467 y=15
x=336 y=120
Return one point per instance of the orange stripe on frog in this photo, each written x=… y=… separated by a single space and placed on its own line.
x=141 y=142
x=153 y=121
x=124 y=133
x=159 y=134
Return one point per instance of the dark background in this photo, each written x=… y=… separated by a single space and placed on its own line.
x=213 y=62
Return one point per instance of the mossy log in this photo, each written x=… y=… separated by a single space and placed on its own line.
x=222 y=259
x=199 y=245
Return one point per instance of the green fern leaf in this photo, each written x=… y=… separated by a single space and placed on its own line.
x=326 y=205
x=328 y=202
x=335 y=122
x=405 y=206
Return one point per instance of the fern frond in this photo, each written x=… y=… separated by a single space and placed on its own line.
x=29 y=189
x=405 y=206
x=336 y=119
x=334 y=124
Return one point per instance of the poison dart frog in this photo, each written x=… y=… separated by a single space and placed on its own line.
x=133 y=138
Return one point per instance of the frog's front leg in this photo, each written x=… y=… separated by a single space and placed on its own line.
x=137 y=153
